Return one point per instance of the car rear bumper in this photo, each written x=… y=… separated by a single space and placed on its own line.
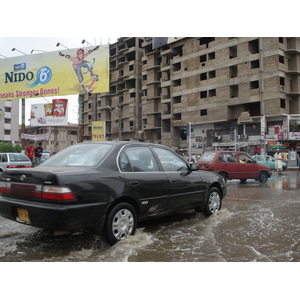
x=55 y=217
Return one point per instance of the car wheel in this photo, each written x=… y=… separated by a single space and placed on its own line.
x=121 y=222
x=213 y=201
x=224 y=175
x=243 y=180
x=263 y=177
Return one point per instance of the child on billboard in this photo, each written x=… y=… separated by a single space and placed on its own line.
x=78 y=63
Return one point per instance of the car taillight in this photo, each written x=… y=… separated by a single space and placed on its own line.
x=57 y=193
x=19 y=166
x=60 y=193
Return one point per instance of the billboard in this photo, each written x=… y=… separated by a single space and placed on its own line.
x=98 y=131
x=49 y=114
x=57 y=73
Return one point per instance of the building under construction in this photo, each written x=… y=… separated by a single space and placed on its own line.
x=219 y=85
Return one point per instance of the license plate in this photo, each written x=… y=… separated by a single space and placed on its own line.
x=23 y=215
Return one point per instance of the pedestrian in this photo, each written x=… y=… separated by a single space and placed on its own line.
x=30 y=152
x=278 y=159
x=38 y=153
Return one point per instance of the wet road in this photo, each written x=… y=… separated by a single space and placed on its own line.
x=258 y=223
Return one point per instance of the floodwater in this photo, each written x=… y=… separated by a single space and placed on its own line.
x=257 y=223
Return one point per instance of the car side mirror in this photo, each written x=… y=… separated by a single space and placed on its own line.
x=194 y=167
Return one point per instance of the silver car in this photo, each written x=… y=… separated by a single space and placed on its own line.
x=14 y=160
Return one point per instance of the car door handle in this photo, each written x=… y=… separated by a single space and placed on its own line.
x=134 y=183
x=173 y=181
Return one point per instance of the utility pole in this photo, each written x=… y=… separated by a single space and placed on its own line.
x=234 y=139
x=23 y=124
x=190 y=145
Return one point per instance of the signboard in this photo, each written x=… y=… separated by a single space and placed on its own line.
x=98 y=131
x=66 y=72
x=50 y=114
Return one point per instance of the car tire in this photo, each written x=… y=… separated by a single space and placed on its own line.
x=121 y=222
x=243 y=180
x=263 y=177
x=213 y=201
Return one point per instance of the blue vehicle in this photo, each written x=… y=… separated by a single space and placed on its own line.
x=45 y=156
x=268 y=161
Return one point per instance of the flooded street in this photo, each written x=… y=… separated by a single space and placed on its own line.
x=257 y=223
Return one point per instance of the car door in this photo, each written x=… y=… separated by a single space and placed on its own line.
x=145 y=181
x=186 y=187
x=228 y=163
x=249 y=169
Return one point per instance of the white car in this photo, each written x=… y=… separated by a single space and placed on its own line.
x=14 y=160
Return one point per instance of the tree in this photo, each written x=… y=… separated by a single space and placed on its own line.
x=8 y=147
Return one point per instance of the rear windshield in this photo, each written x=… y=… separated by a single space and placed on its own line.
x=79 y=155
x=207 y=157
x=16 y=157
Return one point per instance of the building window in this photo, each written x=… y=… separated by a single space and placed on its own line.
x=212 y=74
x=281 y=59
x=254 y=85
x=233 y=71
x=282 y=81
x=211 y=55
x=206 y=41
x=177 y=82
x=203 y=94
x=282 y=103
x=234 y=91
x=177 y=116
x=212 y=93
x=255 y=64
x=177 y=66
x=177 y=99
x=203 y=112
x=203 y=58
x=253 y=46
x=280 y=40
x=203 y=76
x=232 y=52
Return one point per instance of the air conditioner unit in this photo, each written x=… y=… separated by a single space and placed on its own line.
x=238 y=136
x=244 y=136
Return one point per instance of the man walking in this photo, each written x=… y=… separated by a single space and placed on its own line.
x=278 y=158
x=38 y=153
x=30 y=152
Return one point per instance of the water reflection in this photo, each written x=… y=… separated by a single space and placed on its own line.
x=289 y=180
x=285 y=181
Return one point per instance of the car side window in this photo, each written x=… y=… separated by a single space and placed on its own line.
x=231 y=158
x=4 y=158
x=170 y=161
x=138 y=159
x=245 y=158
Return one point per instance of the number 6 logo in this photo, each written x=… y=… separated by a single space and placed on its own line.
x=44 y=75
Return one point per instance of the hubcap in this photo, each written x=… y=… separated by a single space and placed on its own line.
x=214 y=202
x=123 y=223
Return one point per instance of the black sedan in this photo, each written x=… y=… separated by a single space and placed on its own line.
x=108 y=186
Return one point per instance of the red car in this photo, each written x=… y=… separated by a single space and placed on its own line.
x=234 y=165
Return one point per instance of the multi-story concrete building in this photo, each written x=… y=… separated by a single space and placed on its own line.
x=60 y=137
x=218 y=85
x=9 y=117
